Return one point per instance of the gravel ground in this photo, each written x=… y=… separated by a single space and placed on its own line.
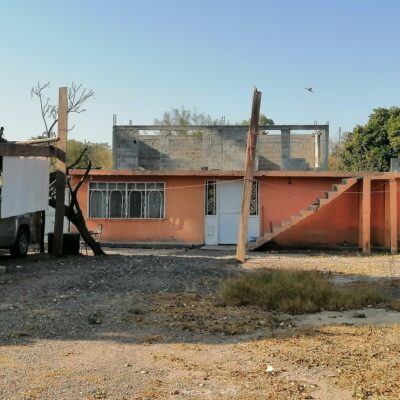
x=148 y=325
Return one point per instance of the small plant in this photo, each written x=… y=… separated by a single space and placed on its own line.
x=296 y=292
x=136 y=311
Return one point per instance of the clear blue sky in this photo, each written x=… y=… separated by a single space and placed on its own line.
x=144 y=57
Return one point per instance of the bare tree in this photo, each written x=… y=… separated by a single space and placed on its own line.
x=77 y=96
x=73 y=211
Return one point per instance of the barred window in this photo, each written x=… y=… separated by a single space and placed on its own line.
x=116 y=202
x=127 y=200
x=97 y=203
x=254 y=199
x=210 y=206
x=211 y=198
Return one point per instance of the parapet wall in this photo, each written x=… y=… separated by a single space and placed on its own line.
x=218 y=147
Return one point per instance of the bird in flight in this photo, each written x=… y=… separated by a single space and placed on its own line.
x=310 y=89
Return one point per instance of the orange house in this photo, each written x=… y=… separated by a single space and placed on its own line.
x=288 y=208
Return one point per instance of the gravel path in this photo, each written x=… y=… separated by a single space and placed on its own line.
x=148 y=325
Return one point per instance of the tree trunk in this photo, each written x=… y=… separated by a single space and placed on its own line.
x=77 y=219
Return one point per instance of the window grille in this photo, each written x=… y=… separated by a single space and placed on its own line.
x=127 y=200
x=211 y=198
x=254 y=199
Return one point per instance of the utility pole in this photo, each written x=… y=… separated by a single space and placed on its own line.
x=61 y=171
x=248 y=177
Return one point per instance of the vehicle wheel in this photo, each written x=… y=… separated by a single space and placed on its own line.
x=20 y=247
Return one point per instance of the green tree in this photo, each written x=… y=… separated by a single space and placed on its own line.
x=371 y=146
x=99 y=153
x=263 y=120
x=334 y=155
x=183 y=117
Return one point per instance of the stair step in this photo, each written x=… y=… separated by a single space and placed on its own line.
x=305 y=213
x=286 y=224
x=324 y=202
x=296 y=218
x=277 y=230
x=325 y=199
x=268 y=236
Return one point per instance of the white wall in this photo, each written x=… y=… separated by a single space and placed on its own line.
x=25 y=185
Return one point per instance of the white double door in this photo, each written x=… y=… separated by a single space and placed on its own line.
x=226 y=222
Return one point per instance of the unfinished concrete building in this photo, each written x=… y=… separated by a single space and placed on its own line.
x=219 y=147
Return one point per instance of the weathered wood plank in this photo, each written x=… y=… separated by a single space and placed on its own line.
x=61 y=172
x=248 y=177
x=28 y=150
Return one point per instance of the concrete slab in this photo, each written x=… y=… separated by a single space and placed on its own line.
x=219 y=248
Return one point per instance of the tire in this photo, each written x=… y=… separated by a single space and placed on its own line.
x=20 y=247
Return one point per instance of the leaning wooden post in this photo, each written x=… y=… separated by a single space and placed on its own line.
x=248 y=177
x=60 y=172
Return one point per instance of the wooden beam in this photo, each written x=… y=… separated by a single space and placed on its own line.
x=60 y=172
x=393 y=215
x=366 y=216
x=248 y=177
x=36 y=141
x=27 y=150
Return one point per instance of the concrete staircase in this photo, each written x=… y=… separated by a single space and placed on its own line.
x=321 y=202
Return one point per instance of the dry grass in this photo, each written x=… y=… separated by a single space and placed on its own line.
x=363 y=359
x=297 y=292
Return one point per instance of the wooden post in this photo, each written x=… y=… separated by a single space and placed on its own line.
x=393 y=215
x=366 y=216
x=60 y=172
x=248 y=177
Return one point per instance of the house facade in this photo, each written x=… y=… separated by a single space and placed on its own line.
x=288 y=208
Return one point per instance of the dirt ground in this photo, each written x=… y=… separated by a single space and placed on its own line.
x=143 y=324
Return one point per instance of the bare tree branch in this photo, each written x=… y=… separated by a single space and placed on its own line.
x=86 y=174
x=76 y=162
x=77 y=96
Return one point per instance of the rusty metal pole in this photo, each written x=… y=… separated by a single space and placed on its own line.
x=248 y=177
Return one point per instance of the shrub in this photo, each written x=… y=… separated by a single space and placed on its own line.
x=296 y=292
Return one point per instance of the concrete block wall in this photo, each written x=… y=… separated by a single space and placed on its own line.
x=125 y=148
x=214 y=147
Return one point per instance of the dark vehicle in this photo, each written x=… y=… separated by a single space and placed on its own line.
x=15 y=234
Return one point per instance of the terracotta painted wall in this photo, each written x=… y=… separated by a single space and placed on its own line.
x=184 y=214
x=280 y=197
x=337 y=224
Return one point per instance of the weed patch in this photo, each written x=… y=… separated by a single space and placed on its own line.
x=296 y=292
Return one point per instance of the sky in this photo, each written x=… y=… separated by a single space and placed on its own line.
x=142 y=58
